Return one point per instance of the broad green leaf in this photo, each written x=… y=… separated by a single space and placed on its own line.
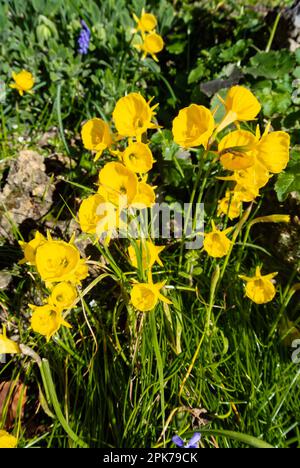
x=197 y=73
x=274 y=64
x=283 y=185
x=289 y=181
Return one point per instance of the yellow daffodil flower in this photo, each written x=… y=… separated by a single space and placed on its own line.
x=193 y=126
x=252 y=179
x=95 y=212
x=7 y=441
x=23 y=81
x=145 y=296
x=138 y=158
x=153 y=44
x=272 y=151
x=62 y=295
x=236 y=150
x=8 y=346
x=216 y=242
x=260 y=289
x=254 y=176
x=240 y=105
x=118 y=184
x=230 y=205
x=145 y=197
x=58 y=261
x=98 y=216
x=87 y=214
x=241 y=149
x=29 y=248
x=96 y=136
x=47 y=320
x=146 y=23
x=133 y=116
x=246 y=193
x=149 y=254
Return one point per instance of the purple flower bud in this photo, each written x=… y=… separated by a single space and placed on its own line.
x=84 y=38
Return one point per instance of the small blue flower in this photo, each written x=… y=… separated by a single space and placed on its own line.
x=84 y=38
x=192 y=443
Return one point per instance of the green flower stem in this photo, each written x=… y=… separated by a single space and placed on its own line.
x=235 y=236
x=213 y=288
x=83 y=293
x=117 y=341
x=239 y=261
x=214 y=283
x=273 y=32
x=66 y=348
x=159 y=364
x=239 y=436
x=51 y=394
x=59 y=118
x=124 y=55
x=192 y=199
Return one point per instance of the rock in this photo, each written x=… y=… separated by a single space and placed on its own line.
x=5 y=279
x=287 y=34
x=289 y=27
x=27 y=192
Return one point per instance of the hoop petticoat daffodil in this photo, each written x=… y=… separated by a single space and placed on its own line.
x=253 y=158
x=193 y=126
x=246 y=193
x=152 y=44
x=146 y=23
x=133 y=116
x=97 y=216
x=260 y=289
x=30 y=248
x=241 y=149
x=145 y=196
x=87 y=214
x=58 y=261
x=145 y=296
x=149 y=254
x=118 y=184
x=62 y=295
x=254 y=176
x=230 y=205
x=7 y=441
x=8 y=346
x=216 y=242
x=96 y=136
x=138 y=157
x=236 y=150
x=23 y=81
x=241 y=105
x=252 y=179
x=47 y=320
x=272 y=150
